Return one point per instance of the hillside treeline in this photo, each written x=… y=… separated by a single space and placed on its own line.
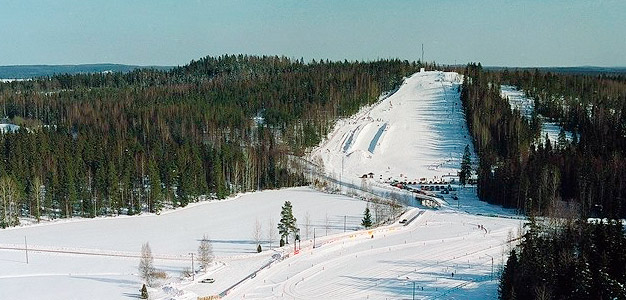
x=515 y=170
x=124 y=143
x=580 y=260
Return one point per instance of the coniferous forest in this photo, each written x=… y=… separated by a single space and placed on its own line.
x=587 y=174
x=124 y=143
x=558 y=184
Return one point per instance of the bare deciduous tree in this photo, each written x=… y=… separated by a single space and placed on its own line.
x=257 y=232
x=37 y=194
x=326 y=223
x=205 y=252
x=307 y=225
x=9 y=193
x=271 y=231
x=146 y=264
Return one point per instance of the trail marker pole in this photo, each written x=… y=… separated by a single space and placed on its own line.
x=26 y=248
x=193 y=271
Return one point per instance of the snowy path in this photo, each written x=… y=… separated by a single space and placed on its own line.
x=425 y=252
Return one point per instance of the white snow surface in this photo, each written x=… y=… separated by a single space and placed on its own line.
x=518 y=100
x=9 y=128
x=414 y=132
x=423 y=135
x=107 y=269
x=418 y=132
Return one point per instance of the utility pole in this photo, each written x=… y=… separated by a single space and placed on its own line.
x=193 y=269
x=313 y=237
x=26 y=248
x=422 y=53
x=491 y=265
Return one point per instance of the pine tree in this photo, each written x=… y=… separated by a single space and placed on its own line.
x=36 y=193
x=507 y=285
x=466 y=166
x=287 y=222
x=367 y=218
x=562 y=139
x=156 y=190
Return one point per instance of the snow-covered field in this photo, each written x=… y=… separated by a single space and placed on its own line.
x=418 y=132
x=526 y=106
x=107 y=267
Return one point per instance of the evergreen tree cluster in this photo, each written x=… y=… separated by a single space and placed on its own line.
x=579 y=260
x=515 y=170
x=125 y=143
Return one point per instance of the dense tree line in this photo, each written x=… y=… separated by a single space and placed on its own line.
x=562 y=256
x=124 y=143
x=516 y=170
x=569 y=260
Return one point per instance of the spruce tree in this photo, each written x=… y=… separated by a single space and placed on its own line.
x=287 y=222
x=156 y=190
x=367 y=218
x=144 y=292
x=466 y=166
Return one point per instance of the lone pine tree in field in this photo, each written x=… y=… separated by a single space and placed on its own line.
x=287 y=222
x=367 y=218
x=466 y=166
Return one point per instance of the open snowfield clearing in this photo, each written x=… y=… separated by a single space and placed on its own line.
x=103 y=253
x=526 y=106
x=418 y=132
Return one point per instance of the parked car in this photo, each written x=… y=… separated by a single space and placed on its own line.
x=207 y=280
x=403 y=221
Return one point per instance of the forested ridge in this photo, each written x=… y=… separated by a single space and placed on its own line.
x=558 y=184
x=516 y=171
x=124 y=143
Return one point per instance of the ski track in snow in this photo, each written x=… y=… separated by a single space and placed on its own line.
x=424 y=136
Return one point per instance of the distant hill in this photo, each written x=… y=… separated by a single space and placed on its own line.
x=31 y=71
x=589 y=70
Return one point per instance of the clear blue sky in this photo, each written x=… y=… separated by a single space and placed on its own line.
x=154 y=32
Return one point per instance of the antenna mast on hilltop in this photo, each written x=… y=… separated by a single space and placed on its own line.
x=422 y=53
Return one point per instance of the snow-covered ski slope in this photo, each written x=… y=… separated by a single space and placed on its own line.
x=418 y=132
